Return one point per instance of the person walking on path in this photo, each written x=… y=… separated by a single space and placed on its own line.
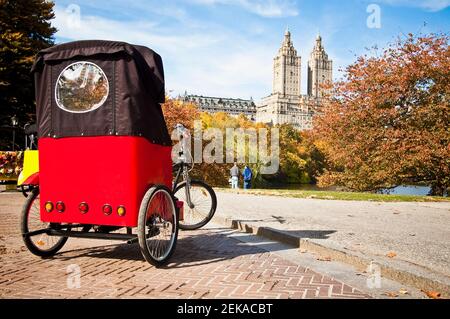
x=247 y=174
x=234 y=172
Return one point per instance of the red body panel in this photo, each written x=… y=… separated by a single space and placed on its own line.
x=114 y=170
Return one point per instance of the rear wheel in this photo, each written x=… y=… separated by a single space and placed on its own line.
x=203 y=204
x=157 y=225
x=40 y=244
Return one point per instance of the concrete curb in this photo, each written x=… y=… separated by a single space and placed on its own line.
x=359 y=261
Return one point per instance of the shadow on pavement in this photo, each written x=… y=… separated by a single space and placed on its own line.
x=313 y=234
x=204 y=247
x=287 y=236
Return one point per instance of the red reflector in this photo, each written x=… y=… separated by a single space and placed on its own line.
x=107 y=209
x=84 y=208
x=180 y=206
x=60 y=207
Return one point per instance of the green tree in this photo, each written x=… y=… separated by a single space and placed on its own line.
x=24 y=30
x=301 y=161
x=292 y=163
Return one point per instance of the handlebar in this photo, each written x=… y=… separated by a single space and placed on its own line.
x=182 y=130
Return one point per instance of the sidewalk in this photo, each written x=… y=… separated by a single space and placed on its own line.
x=213 y=262
x=416 y=236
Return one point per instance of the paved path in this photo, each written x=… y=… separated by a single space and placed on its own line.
x=207 y=264
x=418 y=233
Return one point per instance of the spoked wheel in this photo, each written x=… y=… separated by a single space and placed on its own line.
x=40 y=244
x=157 y=225
x=202 y=207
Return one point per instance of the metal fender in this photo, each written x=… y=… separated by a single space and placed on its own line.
x=32 y=180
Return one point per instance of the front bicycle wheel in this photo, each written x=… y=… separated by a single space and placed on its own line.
x=202 y=206
x=157 y=225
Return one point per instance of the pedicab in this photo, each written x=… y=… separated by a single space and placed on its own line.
x=104 y=152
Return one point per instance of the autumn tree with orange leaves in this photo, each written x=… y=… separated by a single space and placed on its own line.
x=176 y=111
x=388 y=121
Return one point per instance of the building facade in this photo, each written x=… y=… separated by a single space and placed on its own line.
x=287 y=66
x=230 y=106
x=320 y=70
x=286 y=104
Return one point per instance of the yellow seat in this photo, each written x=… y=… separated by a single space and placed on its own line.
x=30 y=166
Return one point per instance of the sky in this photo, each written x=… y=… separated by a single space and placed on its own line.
x=226 y=47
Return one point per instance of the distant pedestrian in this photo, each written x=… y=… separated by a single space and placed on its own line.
x=234 y=172
x=247 y=174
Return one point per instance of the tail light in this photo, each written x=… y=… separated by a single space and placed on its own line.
x=121 y=211
x=83 y=207
x=107 y=209
x=60 y=207
x=49 y=207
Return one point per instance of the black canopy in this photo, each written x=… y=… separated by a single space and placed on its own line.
x=97 y=88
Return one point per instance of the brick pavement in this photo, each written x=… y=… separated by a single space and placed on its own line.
x=206 y=264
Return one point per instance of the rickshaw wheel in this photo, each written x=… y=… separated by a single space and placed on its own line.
x=41 y=245
x=157 y=225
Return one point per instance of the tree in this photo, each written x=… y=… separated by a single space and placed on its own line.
x=292 y=156
x=388 y=121
x=312 y=152
x=24 y=30
x=301 y=160
x=176 y=111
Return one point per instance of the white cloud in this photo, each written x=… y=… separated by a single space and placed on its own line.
x=429 y=5
x=95 y=27
x=212 y=62
x=264 y=8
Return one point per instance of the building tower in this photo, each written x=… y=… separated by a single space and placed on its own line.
x=287 y=69
x=320 y=70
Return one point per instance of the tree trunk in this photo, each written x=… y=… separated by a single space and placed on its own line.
x=438 y=189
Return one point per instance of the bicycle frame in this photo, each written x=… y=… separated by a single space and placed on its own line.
x=182 y=167
x=182 y=182
x=183 y=174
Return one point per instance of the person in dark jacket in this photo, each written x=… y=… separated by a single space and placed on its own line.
x=247 y=174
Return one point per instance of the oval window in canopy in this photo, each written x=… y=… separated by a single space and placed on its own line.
x=81 y=87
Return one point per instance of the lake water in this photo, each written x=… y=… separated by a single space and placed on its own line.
x=399 y=190
x=409 y=190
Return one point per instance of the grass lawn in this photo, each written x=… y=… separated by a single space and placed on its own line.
x=331 y=195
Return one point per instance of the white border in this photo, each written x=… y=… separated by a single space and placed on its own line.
x=92 y=109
